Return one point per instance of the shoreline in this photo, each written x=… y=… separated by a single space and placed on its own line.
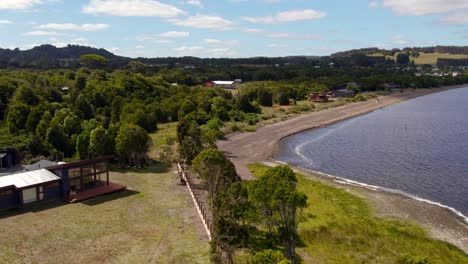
x=260 y=146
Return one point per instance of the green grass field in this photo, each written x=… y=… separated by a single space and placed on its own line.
x=429 y=58
x=338 y=227
x=152 y=222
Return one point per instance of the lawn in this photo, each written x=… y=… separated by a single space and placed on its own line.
x=154 y=221
x=338 y=227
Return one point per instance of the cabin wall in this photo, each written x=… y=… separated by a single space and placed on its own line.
x=8 y=199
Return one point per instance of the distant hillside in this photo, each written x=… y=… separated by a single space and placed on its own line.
x=48 y=56
x=51 y=57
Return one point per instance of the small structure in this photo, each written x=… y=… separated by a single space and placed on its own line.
x=225 y=84
x=392 y=87
x=42 y=164
x=343 y=93
x=71 y=182
x=7 y=158
x=65 y=88
x=318 y=97
x=208 y=84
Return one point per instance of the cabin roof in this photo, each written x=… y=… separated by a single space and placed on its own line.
x=29 y=178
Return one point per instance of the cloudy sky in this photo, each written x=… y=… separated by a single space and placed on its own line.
x=232 y=28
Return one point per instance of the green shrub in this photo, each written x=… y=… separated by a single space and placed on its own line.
x=250 y=129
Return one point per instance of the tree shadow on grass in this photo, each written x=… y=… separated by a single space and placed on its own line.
x=109 y=197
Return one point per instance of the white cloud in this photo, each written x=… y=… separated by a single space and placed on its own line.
x=424 y=7
x=287 y=16
x=253 y=30
x=204 y=22
x=140 y=47
x=212 y=41
x=40 y=33
x=19 y=4
x=163 y=41
x=5 y=22
x=146 y=8
x=75 y=27
x=399 y=40
x=195 y=3
x=184 y=49
x=276 y=45
x=291 y=36
x=175 y=34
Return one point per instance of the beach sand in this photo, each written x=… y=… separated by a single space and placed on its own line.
x=260 y=146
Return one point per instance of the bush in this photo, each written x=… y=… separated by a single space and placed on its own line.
x=250 y=129
x=251 y=119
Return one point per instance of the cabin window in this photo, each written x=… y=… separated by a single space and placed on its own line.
x=29 y=195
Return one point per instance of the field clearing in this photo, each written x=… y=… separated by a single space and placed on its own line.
x=152 y=222
x=428 y=58
x=339 y=226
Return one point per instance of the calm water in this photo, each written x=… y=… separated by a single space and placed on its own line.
x=418 y=146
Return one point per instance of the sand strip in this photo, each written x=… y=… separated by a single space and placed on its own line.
x=245 y=148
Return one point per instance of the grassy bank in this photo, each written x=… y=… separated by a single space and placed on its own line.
x=338 y=227
x=152 y=222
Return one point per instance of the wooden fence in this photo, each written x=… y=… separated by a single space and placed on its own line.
x=203 y=212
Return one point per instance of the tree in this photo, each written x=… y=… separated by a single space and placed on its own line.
x=93 y=61
x=265 y=96
x=276 y=197
x=99 y=143
x=216 y=171
x=17 y=117
x=82 y=145
x=132 y=144
x=403 y=58
x=189 y=137
x=57 y=138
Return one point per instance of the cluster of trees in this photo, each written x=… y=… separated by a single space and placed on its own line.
x=271 y=203
x=237 y=208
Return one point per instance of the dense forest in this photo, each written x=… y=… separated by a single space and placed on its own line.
x=97 y=110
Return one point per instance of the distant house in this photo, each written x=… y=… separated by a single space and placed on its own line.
x=392 y=87
x=71 y=182
x=343 y=93
x=65 y=88
x=7 y=158
x=225 y=84
x=42 y=164
x=238 y=80
x=208 y=84
x=318 y=97
x=354 y=85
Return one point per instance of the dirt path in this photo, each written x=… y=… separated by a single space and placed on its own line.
x=244 y=148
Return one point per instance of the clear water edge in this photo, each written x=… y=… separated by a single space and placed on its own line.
x=415 y=124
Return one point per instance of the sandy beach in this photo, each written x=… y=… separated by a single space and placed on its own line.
x=260 y=146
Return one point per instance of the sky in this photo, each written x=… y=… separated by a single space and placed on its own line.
x=232 y=28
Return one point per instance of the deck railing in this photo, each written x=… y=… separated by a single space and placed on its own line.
x=201 y=209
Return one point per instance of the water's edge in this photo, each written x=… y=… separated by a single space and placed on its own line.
x=343 y=181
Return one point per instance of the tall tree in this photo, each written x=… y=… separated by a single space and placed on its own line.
x=132 y=144
x=276 y=196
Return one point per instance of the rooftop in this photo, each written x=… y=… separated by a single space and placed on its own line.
x=29 y=178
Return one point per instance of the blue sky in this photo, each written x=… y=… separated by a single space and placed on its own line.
x=233 y=28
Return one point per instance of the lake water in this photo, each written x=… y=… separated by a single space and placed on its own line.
x=418 y=147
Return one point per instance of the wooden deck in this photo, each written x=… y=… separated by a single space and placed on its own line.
x=97 y=191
